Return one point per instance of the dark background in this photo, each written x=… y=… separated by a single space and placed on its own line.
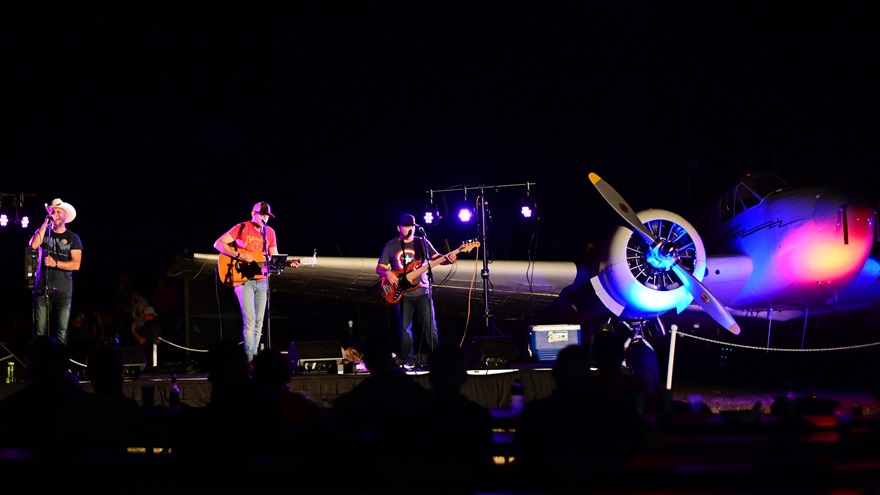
x=163 y=126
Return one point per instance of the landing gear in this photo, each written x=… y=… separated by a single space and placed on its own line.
x=640 y=355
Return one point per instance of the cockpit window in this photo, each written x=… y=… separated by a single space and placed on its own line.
x=748 y=193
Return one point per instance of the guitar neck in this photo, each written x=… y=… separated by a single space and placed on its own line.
x=411 y=276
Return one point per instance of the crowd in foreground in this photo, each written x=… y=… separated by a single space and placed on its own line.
x=389 y=434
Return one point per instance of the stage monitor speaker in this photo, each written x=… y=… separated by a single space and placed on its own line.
x=323 y=356
x=133 y=361
x=491 y=353
x=133 y=356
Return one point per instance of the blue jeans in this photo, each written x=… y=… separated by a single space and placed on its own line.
x=58 y=306
x=422 y=308
x=252 y=296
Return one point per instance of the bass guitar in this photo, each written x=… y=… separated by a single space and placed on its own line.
x=235 y=272
x=409 y=279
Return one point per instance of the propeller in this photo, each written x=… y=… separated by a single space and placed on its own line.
x=664 y=253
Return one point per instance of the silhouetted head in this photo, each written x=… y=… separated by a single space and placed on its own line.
x=227 y=362
x=608 y=350
x=105 y=369
x=448 y=370
x=48 y=359
x=271 y=368
x=572 y=367
x=376 y=350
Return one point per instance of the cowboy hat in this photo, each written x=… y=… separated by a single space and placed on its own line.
x=67 y=207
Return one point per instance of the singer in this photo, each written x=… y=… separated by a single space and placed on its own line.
x=395 y=262
x=60 y=254
x=248 y=246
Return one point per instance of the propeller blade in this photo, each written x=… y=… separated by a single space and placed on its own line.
x=701 y=294
x=621 y=207
x=706 y=300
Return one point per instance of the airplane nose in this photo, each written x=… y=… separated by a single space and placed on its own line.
x=836 y=246
x=847 y=221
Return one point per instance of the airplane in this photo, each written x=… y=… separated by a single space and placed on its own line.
x=780 y=253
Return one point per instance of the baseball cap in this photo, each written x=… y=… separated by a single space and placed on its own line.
x=407 y=220
x=263 y=208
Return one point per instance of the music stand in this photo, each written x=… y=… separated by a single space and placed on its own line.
x=276 y=264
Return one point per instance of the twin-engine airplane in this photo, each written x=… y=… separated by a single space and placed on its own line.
x=779 y=253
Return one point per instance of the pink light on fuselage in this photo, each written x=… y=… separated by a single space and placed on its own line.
x=832 y=248
x=806 y=246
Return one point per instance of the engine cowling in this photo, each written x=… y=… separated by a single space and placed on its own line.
x=636 y=280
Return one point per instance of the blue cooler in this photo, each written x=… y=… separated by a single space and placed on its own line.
x=545 y=341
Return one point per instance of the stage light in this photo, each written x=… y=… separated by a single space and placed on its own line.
x=13 y=205
x=465 y=212
x=432 y=213
x=528 y=207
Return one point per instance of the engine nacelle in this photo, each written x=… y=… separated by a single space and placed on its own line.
x=635 y=279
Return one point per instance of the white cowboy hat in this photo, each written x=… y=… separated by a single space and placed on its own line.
x=67 y=207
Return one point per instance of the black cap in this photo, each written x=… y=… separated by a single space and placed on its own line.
x=407 y=220
x=263 y=208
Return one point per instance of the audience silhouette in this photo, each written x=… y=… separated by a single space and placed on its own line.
x=272 y=372
x=30 y=417
x=373 y=418
x=454 y=432
x=242 y=425
x=577 y=426
x=104 y=420
x=608 y=353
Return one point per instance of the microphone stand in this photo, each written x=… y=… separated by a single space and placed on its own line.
x=268 y=317
x=44 y=273
x=430 y=289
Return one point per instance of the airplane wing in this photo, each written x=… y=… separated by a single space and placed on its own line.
x=518 y=289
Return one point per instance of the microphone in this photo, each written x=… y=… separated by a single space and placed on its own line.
x=420 y=229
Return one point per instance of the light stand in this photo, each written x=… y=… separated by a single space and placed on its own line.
x=491 y=329
x=482 y=205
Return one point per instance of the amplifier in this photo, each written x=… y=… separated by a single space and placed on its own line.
x=545 y=341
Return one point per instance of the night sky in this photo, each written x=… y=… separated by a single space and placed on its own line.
x=164 y=126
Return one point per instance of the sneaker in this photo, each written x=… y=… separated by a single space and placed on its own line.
x=407 y=366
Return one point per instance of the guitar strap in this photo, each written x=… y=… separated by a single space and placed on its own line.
x=233 y=244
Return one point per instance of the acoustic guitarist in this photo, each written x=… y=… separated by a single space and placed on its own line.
x=397 y=256
x=244 y=249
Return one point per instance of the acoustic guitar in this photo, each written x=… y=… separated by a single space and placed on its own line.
x=235 y=272
x=408 y=278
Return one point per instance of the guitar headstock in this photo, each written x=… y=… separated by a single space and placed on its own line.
x=469 y=245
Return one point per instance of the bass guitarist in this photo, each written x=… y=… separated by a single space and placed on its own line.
x=244 y=250
x=401 y=255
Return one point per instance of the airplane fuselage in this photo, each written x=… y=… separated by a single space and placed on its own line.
x=807 y=246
